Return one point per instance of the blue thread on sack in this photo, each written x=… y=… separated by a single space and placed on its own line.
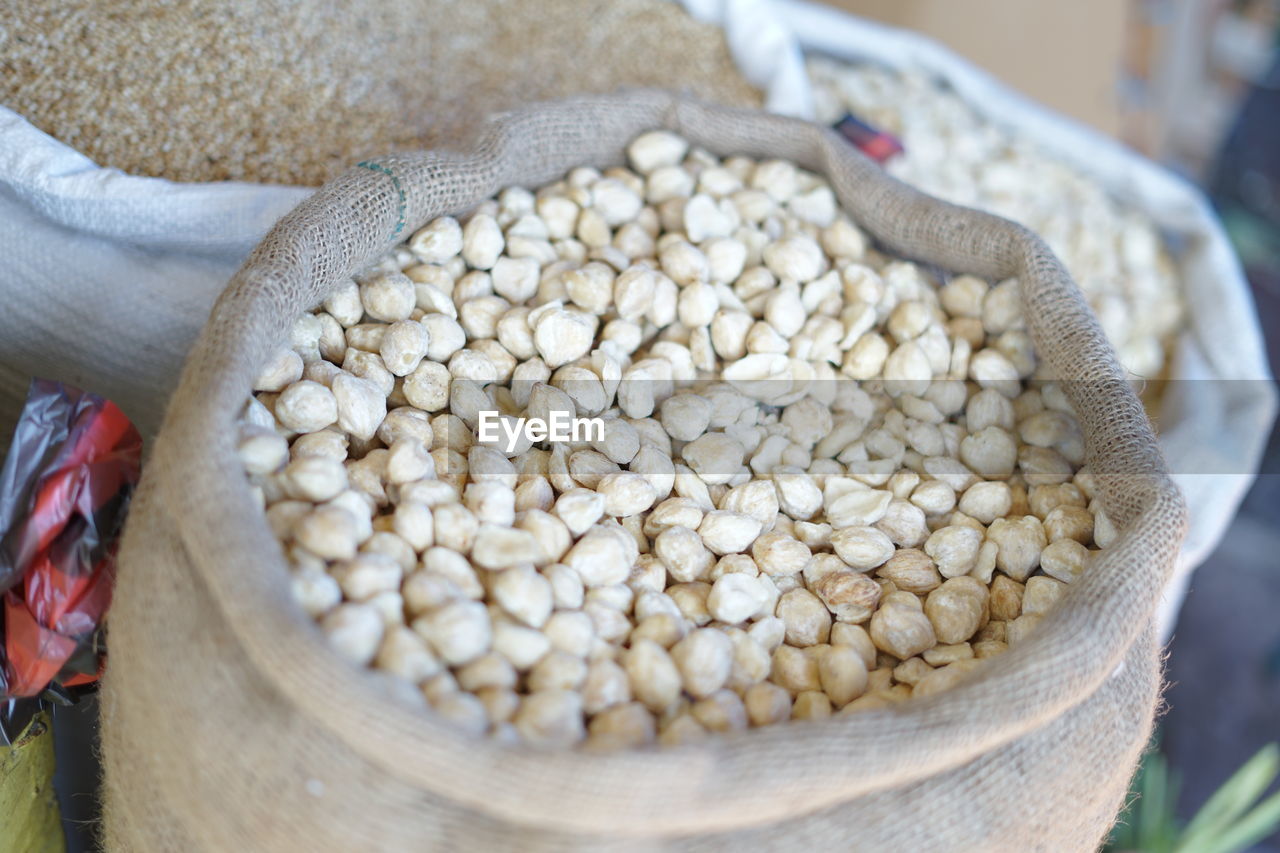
x=395 y=182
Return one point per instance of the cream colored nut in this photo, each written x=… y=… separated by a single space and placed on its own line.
x=343 y=303
x=943 y=655
x=438 y=241
x=500 y=705
x=757 y=498
x=807 y=620
x=798 y=496
x=767 y=704
x=934 y=497
x=683 y=262
x=912 y=570
x=857 y=508
x=957 y=609
x=704 y=659
x=388 y=543
x=866 y=358
x=735 y=598
x=600 y=557
x=1002 y=308
x=794 y=670
x=777 y=553
x=1021 y=627
x=551 y=718
x=685 y=416
x=655 y=149
x=904 y=523
x=389 y=297
x=626 y=726
x=445 y=336
x=360 y=406
x=1069 y=522
x=315 y=478
x=691 y=598
x=722 y=711
x=1041 y=594
x=1006 y=599
x=615 y=201
x=427 y=388
x=850 y=596
x=579 y=509
x=423 y=591
x=406 y=654
x=330 y=443
x=655 y=679
x=811 y=705
x=911 y=671
x=404 y=422
x=306 y=406
x=1064 y=559
x=463 y=711
x=796 y=258
x=558 y=671
x=503 y=547
x=715 y=457
x=705 y=218
x=1020 y=541
x=562 y=336
x=262 y=450
x=459 y=632
x=354 y=631
x=368 y=574
x=673 y=512
x=955 y=549
x=491 y=503
x=725 y=532
x=684 y=554
x=482 y=242
x=943 y=678
x=987 y=501
x=456 y=527
x=862 y=547
x=590 y=287
x=524 y=594
x=625 y=494
x=409 y=460
x=281 y=370
x=900 y=626
x=991 y=369
x=991 y=452
x=842 y=674
x=856 y=638
x=328 y=532
x=315 y=591
x=403 y=346
x=907 y=370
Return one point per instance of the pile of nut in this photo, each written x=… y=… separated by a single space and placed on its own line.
x=823 y=482
x=1115 y=254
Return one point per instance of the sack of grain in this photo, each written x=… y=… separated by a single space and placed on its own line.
x=277 y=743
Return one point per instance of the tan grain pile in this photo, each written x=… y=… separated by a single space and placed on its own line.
x=281 y=92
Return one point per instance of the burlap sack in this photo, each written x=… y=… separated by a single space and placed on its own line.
x=229 y=725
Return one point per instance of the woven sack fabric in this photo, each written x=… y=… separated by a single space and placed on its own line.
x=229 y=724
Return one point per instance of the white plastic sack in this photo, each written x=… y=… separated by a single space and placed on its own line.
x=108 y=278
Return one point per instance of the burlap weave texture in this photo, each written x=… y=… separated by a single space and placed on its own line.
x=228 y=724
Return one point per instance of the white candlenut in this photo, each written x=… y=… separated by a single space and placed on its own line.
x=809 y=460
x=1115 y=253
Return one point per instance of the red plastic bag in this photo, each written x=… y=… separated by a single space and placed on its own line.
x=64 y=492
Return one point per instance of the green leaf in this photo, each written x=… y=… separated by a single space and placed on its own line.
x=1216 y=818
x=1253 y=827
